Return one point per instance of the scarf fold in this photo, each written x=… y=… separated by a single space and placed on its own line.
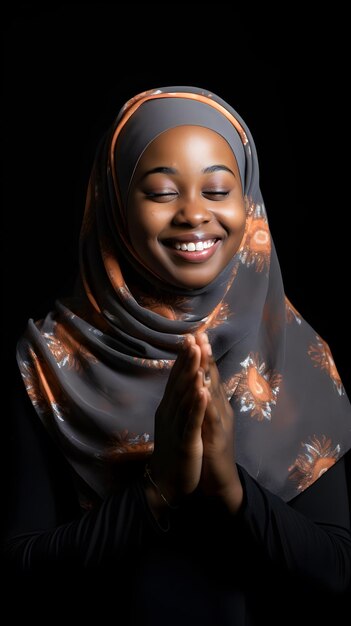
x=96 y=367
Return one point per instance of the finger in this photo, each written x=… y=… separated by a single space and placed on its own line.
x=186 y=403
x=219 y=410
x=183 y=371
x=217 y=386
x=179 y=381
x=196 y=414
x=188 y=341
x=211 y=377
x=213 y=412
x=188 y=351
x=206 y=378
x=206 y=350
x=219 y=400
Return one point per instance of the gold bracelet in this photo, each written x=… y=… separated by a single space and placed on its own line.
x=147 y=474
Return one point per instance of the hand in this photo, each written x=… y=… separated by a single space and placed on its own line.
x=219 y=471
x=176 y=462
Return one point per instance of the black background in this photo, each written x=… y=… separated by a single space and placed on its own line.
x=67 y=72
x=68 y=69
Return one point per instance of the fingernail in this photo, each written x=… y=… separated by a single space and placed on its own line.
x=185 y=342
x=209 y=349
x=207 y=378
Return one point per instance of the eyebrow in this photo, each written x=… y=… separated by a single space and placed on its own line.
x=160 y=170
x=217 y=168
x=171 y=170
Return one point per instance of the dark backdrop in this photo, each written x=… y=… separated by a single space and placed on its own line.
x=67 y=72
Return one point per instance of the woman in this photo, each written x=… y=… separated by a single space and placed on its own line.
x=187 y=406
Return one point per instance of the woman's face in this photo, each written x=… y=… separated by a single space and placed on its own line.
x=185 y=212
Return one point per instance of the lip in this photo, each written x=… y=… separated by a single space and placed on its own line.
x=198 y=256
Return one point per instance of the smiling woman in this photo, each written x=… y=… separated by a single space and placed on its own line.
x=197 y=423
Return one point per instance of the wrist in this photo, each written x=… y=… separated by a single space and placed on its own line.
x=232 y=494
x=156 y=498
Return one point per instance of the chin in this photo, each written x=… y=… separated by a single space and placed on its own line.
x=189 y=284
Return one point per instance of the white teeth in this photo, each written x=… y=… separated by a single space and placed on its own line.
x=192 y=246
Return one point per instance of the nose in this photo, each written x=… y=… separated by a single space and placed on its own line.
x=192 y=212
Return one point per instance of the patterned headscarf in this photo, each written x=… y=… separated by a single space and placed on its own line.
x=96 y=367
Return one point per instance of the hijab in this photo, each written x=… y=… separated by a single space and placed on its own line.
x=96 y=367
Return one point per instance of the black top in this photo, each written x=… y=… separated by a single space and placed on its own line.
x=272 y=563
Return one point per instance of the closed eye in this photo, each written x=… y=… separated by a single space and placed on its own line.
x=163 y=196
x=216 y=194
x=163 y=193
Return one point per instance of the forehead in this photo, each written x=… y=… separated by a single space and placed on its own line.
x=187 y=143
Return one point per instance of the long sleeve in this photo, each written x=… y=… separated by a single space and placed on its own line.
x=45 y=523
x=308 y=537
x=305 y=542
x=276 y=562
x=119 y=526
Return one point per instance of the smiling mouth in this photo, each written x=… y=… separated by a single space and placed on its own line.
x=193 y=246
x=193 y=251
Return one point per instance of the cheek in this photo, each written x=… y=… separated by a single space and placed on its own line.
x=241 y=222
x=143 y=223
x=237 y=219
x=236 y=223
